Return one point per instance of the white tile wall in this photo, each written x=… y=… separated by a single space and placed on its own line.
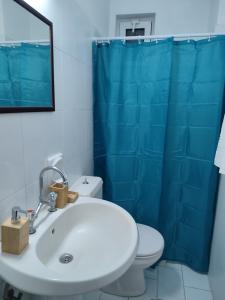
x=28 y=138
x=12 y=171
x=217 y=261
x=172 y=17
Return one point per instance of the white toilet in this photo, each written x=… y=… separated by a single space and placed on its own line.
x=150 y=247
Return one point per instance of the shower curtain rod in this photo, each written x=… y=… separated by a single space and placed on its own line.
x=24 y=41
x=158 y=37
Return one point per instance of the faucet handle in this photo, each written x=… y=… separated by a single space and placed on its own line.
x=15 y=218
x=52 y=201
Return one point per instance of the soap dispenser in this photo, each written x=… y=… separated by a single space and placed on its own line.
x=15 y=232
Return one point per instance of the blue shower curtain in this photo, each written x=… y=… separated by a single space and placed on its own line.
x=157 y=112
x=25 y=75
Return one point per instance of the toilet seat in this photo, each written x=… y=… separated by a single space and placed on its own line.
x=151 y=242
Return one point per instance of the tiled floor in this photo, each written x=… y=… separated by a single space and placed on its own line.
x=168 y=282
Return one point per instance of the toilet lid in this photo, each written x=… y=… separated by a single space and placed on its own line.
x=150 y=241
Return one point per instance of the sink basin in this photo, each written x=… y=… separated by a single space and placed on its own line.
x=76 y=250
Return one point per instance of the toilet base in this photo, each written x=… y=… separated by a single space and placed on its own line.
x=131 y=284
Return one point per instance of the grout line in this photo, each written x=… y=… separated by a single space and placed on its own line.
x=157 y=285
x=65 y=52
x=10 y=195
x=157 y=282
x=21 y=188
x=195 y=288
x=182 y=275
x=24 y=158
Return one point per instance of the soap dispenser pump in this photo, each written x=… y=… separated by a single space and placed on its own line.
x=15 y=219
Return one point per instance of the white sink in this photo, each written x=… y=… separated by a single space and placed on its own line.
x=101 y=237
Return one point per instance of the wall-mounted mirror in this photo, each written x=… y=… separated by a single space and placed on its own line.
x=26 y=59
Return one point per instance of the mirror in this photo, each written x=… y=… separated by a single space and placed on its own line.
x=26 y=59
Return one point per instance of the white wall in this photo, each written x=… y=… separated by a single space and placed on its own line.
x=19 y=24
x=214 y=15
x=172 y=17
x=16 y=21
x=98 y=12
x=28 y=138
x=217 y=262
x=2 y=30
x=220 y=24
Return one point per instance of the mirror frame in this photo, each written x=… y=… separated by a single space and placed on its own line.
x=50 y=24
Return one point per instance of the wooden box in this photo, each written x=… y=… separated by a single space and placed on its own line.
x=15 y=237
x=72 y=196
x=62 y=191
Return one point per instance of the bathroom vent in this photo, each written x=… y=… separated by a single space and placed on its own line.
x=135 y=24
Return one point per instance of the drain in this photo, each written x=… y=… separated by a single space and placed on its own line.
x=66 y=258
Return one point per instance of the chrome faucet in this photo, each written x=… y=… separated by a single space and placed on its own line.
x=51 y=202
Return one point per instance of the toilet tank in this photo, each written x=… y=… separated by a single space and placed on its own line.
x=88 y=186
